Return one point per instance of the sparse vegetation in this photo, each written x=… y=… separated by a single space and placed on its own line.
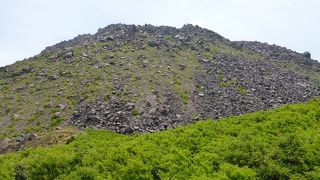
x=184 y=95
x=135 y=112
x=227 y=83
x=129 y=71
x=224 y=83
x=242 y=90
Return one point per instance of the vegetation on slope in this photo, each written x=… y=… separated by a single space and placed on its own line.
x=172 y=75
x=276 y=144
x=29 y=101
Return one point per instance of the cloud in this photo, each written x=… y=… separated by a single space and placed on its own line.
x=27 y=27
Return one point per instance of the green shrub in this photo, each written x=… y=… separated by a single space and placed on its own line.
x=135 y=112
x=277 y=144
x=242 y=90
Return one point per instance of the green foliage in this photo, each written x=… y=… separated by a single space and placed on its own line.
x=242 y=90
x=227 y=83
x=55 y=121
x=235 y=172
x=35 y=116
x=54 y=110
x=277 y=144
x=220 y=75
x=184 y=95
x=135 y=112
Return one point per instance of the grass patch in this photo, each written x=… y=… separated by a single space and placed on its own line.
x=135 y=112
x=242 y=90
x=227 y=83
x=55 y=121
x=184 y=95
x=222 y=83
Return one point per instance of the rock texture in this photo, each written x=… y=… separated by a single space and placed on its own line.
x=129 y=79
x=126 y=118
x=247 y=86
x=243 y=86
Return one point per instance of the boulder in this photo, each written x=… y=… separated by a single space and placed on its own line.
x=21 y=138
x=5 y=143
x=182 y=66
x=62 y=107
x=129 y=106
x=307 y=54
x=32 y=136
x=57 y=114
x=68 y=55
x=145 y=63
x=127 y=130
x=53 y=77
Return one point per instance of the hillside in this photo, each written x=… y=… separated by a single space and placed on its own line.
x=277 y=144
x=132 y=79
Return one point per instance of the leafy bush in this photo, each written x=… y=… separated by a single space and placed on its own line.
x=277 y=144
x=135 y=112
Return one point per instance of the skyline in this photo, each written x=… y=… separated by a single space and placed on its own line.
x=28 y=27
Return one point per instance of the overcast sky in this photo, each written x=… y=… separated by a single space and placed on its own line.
x=28 y=26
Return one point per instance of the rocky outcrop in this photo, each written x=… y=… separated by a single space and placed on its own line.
x=307 y=55
x=7 y=145
x=277 y=53
x=126 y=118
x=80 y=39
x=236 y=86
x=225 y=85
x=144 y=78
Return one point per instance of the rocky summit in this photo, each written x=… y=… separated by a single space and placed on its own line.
x=132 y=78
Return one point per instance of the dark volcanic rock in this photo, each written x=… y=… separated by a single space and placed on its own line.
x=307 y=54
x=113 y=115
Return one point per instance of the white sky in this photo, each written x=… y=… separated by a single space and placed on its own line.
x=28 y=26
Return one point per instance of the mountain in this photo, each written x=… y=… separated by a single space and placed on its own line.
x=131 y=79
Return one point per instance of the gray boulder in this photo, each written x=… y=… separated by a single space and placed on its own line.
x=5 y=143
x=307 y=54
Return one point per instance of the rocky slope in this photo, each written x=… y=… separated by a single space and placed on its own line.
x=129 y=78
